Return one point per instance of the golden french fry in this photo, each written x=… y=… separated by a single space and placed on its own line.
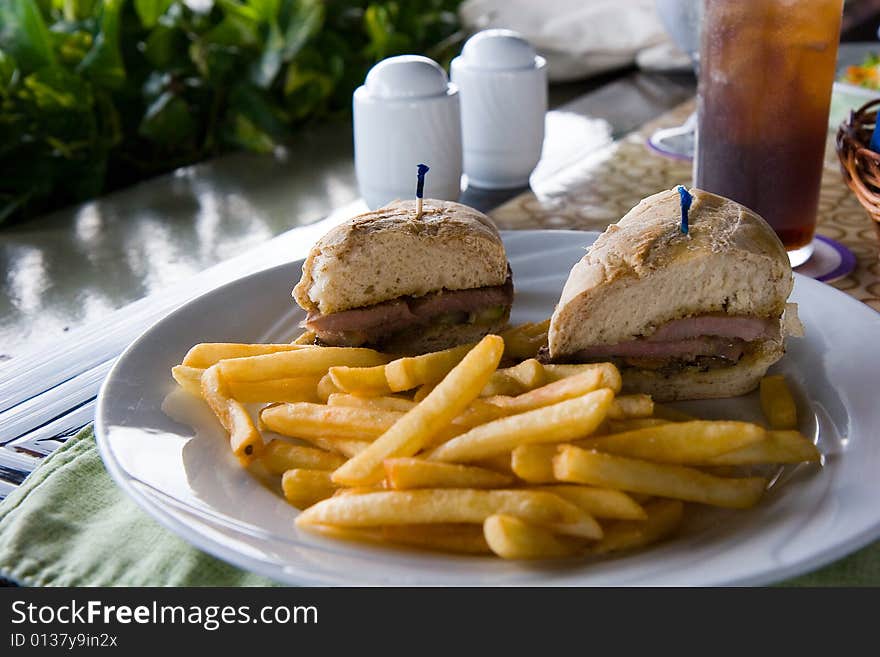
x=598 y=502
x=246 y=441
x=534 y=463
x=610 y=374
x=302 y=361
x=420 y=425
x=460 y=538
x=671 y=414
x=478 y=412
x=188 y=378
x=304 y=420
x=515 y=380
x=326 y=387
x=552 y=393
x=525 y=340
x=408 y=472
x=663 y=518
x=777 y=403
x=303 y=488
x=423 y=391
x=776 y=447
x=364 y=381
x=631 y=406
x=208 y=353
x=307 y=338
x=678 y=442
x=577 y=465
x=438 y=505
x=631 y=424
x=279 y=456
x=347 y=447
x=414 y=371
x=569 y=419
x=511 y=537
x=384 y=403
x=252 y=392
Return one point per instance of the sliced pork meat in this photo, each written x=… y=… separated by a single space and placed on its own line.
x=711 y=340
x=371 y=324
x=689 y=349
x=725 y=326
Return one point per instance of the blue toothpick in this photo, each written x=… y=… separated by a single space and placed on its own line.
x=686 y=200
x=874 y=144
x=420 y=189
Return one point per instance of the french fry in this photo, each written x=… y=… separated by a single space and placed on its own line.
x=406 y=473
x=573 y=418
x=599 y=502
x=303 y=488
x=364 y=381
x=511 y=537
x=631 y=406
x=776 y=447
x=414 y=371
x=279 y=456
x=206 y=354
x=552 y=393
x=534 y=463
x=306 y=338
x=418 y=427
x=326 y=387
x=478 y=412
x=188 y=378
x=423 y=391
x=671 y=414
x=631 y=424
x=610 y=374
x=498 y=463
x=777 y=403
x=302 y=361
x=252 y=392
x=663 y=518
x=678 y=442
x=438 y=505
x=577 y=465
x=460 y=538
x=384 y=403
x=515 y=380
x=304 y=420
x=246 y=441
x=347 y=447
x=525 y=340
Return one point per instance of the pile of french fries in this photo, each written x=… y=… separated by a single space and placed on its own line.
x=450 y=451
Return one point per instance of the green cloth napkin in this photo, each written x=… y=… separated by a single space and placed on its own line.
x=68 y=524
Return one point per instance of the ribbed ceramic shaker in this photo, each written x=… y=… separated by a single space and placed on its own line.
x=503 y=88
x=406 y=113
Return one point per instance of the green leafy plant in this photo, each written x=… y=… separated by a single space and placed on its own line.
x=96 y=94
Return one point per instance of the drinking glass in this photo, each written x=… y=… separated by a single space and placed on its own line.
x=766 y=72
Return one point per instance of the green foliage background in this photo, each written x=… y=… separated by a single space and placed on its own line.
x=96 y=94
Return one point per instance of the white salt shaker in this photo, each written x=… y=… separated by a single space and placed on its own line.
x=407 y=113
x=503 y=87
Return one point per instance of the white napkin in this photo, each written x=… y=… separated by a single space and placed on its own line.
x=579 y=38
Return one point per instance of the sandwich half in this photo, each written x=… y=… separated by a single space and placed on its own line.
x=684 y=316
x=407 y=285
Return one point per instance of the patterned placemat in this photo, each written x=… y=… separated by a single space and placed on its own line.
x=602 y=188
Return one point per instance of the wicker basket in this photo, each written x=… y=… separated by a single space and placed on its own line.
x=859 y=164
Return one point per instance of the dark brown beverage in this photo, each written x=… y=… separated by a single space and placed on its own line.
x=766 y=71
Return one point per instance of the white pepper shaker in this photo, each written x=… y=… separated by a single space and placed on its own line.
x=503 y=87
x=407 y=113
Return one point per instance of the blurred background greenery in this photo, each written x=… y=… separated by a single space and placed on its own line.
x=98 y=94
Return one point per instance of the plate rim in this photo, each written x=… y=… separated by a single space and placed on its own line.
x=171 y=520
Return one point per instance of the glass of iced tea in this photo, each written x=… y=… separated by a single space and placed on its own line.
x=766 y=72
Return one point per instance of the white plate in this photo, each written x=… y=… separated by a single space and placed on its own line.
x=188 y=480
